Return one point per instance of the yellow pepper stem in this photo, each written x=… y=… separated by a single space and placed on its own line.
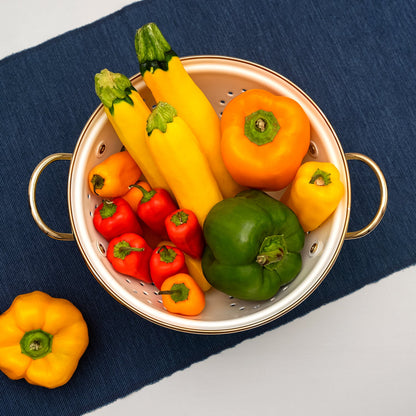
x=36 y=344
x=320 y=178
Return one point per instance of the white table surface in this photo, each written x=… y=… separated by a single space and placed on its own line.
x=355 y=356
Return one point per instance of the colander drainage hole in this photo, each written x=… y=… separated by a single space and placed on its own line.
x=100 y=149
x=101 y=248
x=315 y=248
x=313 y=150
x=232 y=304
x=128 y=281
x=230 y=93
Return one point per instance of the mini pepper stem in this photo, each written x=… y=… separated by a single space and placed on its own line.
x=123 y=249
x=178 y=292
x=167 y=255
x=36 y=344
x=147 y=195
x=179 y=218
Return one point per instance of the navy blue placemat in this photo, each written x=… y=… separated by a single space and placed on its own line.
x=356 y=59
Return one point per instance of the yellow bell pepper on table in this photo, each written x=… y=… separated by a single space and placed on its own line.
x=314 y=194
x=42 y=339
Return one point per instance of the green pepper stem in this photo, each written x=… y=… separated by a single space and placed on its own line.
x=272 y=250
x=36 y=344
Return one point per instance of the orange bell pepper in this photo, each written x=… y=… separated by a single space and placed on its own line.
x=181 y=294
x=264 y=139
x=314 y=193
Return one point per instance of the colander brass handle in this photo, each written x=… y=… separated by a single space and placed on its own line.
x=351 y=235
x=32 y=196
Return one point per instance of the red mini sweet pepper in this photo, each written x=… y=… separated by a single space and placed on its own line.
x=115 y=217
x=129 y=254
x=185 y=232
x=154 y=207
x=165 y=262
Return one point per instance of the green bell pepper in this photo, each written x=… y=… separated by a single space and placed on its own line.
x=253 y=245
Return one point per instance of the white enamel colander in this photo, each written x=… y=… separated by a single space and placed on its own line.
x=221 y=79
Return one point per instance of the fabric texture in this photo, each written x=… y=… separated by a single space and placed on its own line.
x=355 y=59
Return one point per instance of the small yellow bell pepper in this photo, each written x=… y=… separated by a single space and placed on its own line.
x=314 y=193
x=42 y=339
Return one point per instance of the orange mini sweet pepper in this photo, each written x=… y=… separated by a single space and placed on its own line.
x=182 y=295
x=264 y=139
x=42 y=339
x=112 y=177
x=314 y=193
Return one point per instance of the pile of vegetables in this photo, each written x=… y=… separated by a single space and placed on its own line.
x=193 y=212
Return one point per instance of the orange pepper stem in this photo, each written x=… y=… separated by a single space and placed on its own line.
x=178 y=292
x=36 y=344
x=320 y=178
x=97 y=182
x=261 y=127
